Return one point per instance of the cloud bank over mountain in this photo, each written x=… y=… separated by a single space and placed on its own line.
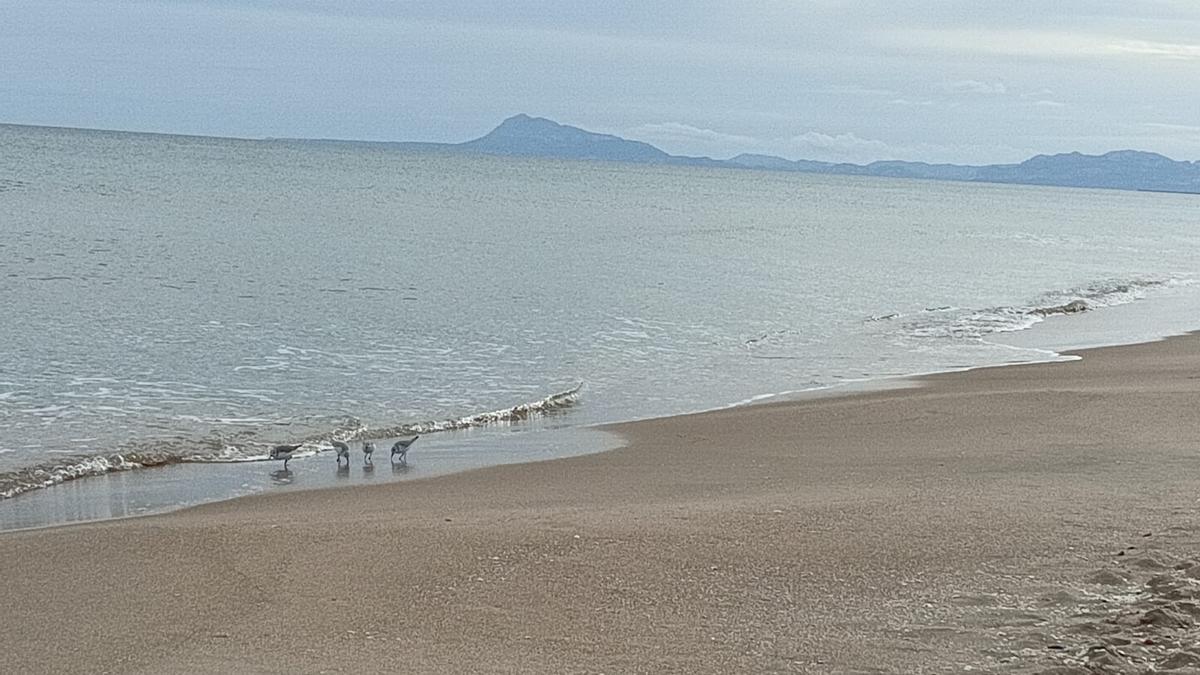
x=966 y=82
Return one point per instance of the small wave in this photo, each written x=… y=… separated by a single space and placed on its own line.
x=517 y=413
x=771 y=338
x=217 y=450
x=1072 y=307
x=952 y=322
x=765 y=337
x=45 y=475
x=11 y=184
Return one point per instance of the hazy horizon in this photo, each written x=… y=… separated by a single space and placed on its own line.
x=969 y=83
x=409 y=141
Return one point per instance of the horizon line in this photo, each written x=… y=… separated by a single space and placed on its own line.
x=271 y=139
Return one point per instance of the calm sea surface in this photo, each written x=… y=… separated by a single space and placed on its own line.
x=171 y=297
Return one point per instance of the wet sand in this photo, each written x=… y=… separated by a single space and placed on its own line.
x=1008 y=519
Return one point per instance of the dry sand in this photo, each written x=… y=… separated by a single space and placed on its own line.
x=1015 y=518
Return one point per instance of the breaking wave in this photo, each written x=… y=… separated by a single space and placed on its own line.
x=517 y=413
x=953 y=322
x=148 y=454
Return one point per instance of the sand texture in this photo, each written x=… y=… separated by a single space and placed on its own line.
x=1020 y=519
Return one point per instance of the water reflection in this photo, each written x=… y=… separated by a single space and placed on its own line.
x=133 y=493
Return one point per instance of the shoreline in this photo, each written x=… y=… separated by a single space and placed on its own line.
x=847 y=388
x=1002 y=518
x=155 y=493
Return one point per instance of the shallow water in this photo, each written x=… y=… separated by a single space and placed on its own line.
x=122 y=494
x=177 y=296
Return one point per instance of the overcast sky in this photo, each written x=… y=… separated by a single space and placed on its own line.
x=944 y=80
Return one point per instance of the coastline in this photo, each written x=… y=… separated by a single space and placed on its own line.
x=960 y=522
x=164 y=489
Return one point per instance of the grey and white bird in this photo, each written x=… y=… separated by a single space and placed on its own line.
x=284 y=452
x=400 y=449
x=343 y=451
x=368 y=450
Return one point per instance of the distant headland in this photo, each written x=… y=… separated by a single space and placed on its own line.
x=522 y=135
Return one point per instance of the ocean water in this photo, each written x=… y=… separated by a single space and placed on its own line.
x=174 y=299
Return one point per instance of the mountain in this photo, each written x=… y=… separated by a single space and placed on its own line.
x=540 y=137
x=522 y=135
x=773 y=163
x=1121 y=169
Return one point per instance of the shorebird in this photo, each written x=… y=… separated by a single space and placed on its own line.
x=400 y=449
x=368 y=448
x=284 y=452
x=343 y=452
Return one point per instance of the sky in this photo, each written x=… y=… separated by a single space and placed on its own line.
x=835 y=80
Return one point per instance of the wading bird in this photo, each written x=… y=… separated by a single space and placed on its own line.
x=343 y=452
x=284 y=452
x=400 y=449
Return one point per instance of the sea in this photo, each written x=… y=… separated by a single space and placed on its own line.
x=173 y=306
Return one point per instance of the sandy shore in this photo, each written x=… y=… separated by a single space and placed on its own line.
x=1007 y=519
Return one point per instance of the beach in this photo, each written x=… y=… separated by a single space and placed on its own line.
x=1007 y=519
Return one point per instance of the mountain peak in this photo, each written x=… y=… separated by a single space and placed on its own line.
x=522 y=134
x=521 y=119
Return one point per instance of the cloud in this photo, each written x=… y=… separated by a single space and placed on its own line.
x=976 y=87
x=1033 y=42
x=841 y=146
x=910 y=102
x=678 y=132
x=680 y=138
x=1169 y=50
x=1006 y=42
x=1186 y=129
x=1047 y=103
x=850 y=90
x=822 y=145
